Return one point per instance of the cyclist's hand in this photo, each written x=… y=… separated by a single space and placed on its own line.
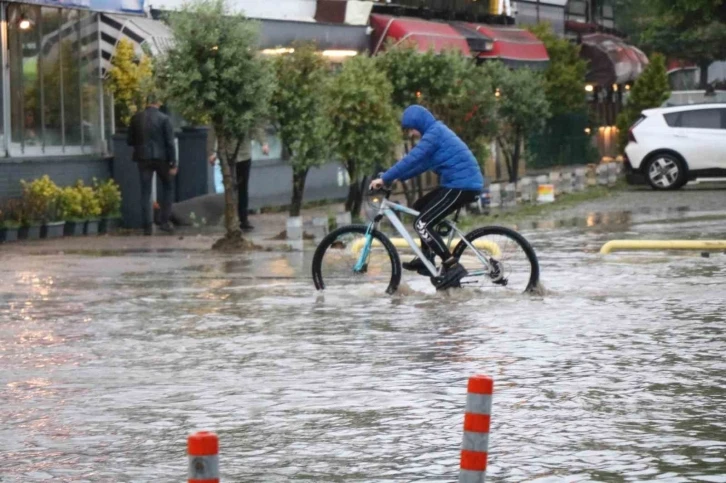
x=376 y=184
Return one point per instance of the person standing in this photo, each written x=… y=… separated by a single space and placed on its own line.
x=242 y=164
x=152 y=136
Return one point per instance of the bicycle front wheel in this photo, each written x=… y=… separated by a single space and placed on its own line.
x=511 y=264
x=345 y=258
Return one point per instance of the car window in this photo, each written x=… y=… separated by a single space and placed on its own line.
x=673 y=119
x=701 y=118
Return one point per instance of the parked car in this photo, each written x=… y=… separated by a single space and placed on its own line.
x=674 y=145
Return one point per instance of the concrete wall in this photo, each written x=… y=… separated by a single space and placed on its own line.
x=64 y=171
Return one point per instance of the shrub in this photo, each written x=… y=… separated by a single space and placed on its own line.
x=108 y=194
x=71 y=204
x=90 y=204
x=10 y=214
x=40 y=200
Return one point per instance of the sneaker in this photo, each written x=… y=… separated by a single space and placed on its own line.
x=417 y=265
x=245 y=226
x=451 y=277
x=167 y=227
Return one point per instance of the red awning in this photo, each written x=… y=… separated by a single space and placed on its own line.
x=513 y=46
x=425 y=35
x=612 y=61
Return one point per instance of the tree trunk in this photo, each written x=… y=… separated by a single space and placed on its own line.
x=358 y=200
x=514 y=173
x=231 y=220
x=507 y=156
x=419 y=185
x=298 y=190
x=703 y=82
x=350 y=168
x=409 y=193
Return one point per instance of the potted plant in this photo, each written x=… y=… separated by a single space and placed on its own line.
x=91 y=208
x=71 y=206
x=43 y=194
x=9 y=223
x=108 y=194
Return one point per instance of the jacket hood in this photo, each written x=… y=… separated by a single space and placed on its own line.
x=417 y=117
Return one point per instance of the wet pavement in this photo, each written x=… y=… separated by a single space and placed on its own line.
x=111 y=357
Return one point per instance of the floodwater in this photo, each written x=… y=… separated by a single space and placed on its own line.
x=617 y=373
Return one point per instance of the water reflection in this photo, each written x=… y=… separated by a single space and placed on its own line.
x=615 y=375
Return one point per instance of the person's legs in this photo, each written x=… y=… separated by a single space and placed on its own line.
x=146 y=175
x=243 y=181
x=162 y=169
x=416 y=265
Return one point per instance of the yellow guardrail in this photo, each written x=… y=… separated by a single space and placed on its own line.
x=698 y=245
x=487 y=245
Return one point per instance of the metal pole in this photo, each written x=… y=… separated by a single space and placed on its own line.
x=101 y=109
x=5 y=79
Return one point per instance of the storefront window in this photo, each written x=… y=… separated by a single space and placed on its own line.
x=54 y=82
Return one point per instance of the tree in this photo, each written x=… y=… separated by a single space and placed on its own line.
x=650 y=90
x=522 y=109
x=214 y=69
x=564 y=76
x=128 y=81
x=299 y=111
x=691 y=30
x=450 y=86
x=366 y=125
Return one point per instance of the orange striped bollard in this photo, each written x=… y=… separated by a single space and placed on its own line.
x=203 y=450
x=476 y=430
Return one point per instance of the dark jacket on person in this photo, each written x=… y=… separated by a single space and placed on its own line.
x=440 y=150
x=152 y=136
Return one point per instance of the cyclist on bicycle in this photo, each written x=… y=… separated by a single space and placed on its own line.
x=439 y=150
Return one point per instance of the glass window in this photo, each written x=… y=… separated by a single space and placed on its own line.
x=702 y=118
x=90 y=84
x=54 y=81
x=673 y=119
x=25 y=97
x=50 y=75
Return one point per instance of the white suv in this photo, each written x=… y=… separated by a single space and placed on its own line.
x=673 y=145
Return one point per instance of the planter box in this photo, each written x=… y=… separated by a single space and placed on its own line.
x=109 y=225
x=31 y=232
x=91 y=227
x=8 y=234
x=74 y=228
x=52 y=230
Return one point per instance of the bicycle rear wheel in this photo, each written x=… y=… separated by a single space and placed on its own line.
x=514 y=264
x=338 y=255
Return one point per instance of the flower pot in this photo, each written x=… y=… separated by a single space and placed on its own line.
x=8 y=234
x=31 y=232
x=53 y=229
x=92 y=227
x=74 y=228
x=109 y=225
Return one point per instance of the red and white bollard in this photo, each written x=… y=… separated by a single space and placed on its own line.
x=474 y=448
x=203 y=450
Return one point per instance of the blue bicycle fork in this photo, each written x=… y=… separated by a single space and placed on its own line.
x=360 y=266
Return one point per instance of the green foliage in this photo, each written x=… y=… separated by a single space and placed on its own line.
x=130 y=80
x=40 y=200
x=650 y=90
x=522 y=109
x=692 y=30
x=299 y=113
x=214 y=72
x=10 y=214
x=71 y=204
x=108 y=195
x=565 y=73
x=366 y=125
x=421 y=78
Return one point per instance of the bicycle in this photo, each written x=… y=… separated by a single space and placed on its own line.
x=356 y=254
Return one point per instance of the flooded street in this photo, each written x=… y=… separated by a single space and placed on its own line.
x=109 y=360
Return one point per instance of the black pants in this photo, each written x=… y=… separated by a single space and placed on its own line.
x=147 y=168
x=433 y=208
x=243 y=181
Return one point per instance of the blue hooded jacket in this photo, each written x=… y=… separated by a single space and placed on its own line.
x=440 y=150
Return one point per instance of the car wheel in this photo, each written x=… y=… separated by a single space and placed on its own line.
x=666 y=172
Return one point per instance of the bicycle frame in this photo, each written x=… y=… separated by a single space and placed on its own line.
x=389 y=209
